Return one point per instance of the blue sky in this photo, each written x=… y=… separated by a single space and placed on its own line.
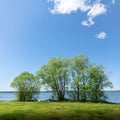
x=34 y=31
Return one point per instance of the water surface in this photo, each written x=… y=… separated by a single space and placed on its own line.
x=113 y=96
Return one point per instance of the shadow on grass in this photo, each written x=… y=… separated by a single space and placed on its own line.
x=20 y=115
x=53 y=116
x=24 y=116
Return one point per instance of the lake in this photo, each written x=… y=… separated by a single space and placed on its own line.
x=113 y=96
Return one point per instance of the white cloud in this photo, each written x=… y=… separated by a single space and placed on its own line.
x=88 y=22
x=68 y=6
x=97 y=9
x=113 y=2
x=90 y=7
x=101 y=35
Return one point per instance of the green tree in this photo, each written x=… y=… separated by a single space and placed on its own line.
x=55 y=75
x=97 y=82
x=27 y=86
x=79 y=65
x=87 y=81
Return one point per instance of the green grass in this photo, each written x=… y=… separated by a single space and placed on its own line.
x=58 y=111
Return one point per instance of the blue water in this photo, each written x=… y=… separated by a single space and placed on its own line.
x=7 y=96
x=113 y=96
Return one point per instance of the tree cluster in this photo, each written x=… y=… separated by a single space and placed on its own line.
x=76 y=77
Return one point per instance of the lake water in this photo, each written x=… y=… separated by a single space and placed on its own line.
x=113 y=96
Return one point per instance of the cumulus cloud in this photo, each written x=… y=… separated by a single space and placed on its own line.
x=101 y=35
x=92 y=9
x=68 y=6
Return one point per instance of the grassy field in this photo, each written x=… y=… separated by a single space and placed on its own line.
x=58 y=111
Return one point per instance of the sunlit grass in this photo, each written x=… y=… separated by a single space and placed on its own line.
x=58 y=111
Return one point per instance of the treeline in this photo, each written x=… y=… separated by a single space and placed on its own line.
x=83 y=80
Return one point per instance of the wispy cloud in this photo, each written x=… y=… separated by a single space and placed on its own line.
x=97 y=9
x=113 y=2
x=88 y=22
x=92 y=9
x=101 y=35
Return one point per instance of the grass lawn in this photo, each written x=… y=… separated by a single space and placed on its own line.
x=58 y=111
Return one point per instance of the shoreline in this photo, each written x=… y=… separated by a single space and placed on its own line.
x=52 y=101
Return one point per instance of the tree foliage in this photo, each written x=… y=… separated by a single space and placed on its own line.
x=97 y=82
x=85 y=80
x=88 y=80
x=79 y=65
x=27 y=85
x=55 y=74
